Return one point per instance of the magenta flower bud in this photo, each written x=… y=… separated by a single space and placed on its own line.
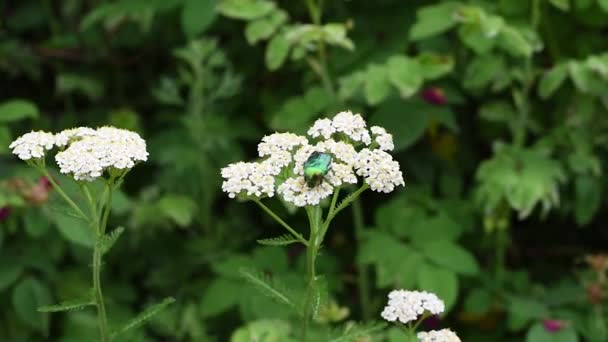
x=4 y=213
x=434 y=95
x=553 y=325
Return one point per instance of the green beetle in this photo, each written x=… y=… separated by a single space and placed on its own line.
x=316 y=167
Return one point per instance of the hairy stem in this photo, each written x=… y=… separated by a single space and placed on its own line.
x=314 y=242
x=281 y=222
x=63 y=195
x=363 y=274
x=100 y=226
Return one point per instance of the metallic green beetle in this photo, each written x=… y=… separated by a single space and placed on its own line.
x=316 y=167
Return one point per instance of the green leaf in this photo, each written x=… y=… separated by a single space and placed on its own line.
x=109 y=239
x=440 y=227
x=28 y=295
x=268 y=287
x=538 y=333
x=179 y=208
x=265 y=27
x=17 y=109
x=74 y=229
x=144 y=316
x=277 y=51
x=552 y=80
x=298 y=112
x=245 y=9
x=482 y=71
x=263 y=331
x=10 y=271
x=479 y=301
x=563 y=5
x=376 y=87
x=77 y=83
x=5 y=139
x=433 y=66
x=433 y=20
x=450 y=255
x=335 y=34
x=588 y=197
x=197 y=16
x=215 y=301
x=514 y=42
x=442 y=282
x=603 y=4
x=404 y=75
x=357 y=332
x=36 y=222
x=69 y=305
x=527 y=309
x=283 y=240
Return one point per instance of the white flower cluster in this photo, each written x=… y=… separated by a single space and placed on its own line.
x=87 y=152
x=338 y=137
x=90 y=153
x=443 y=335
x=32 y=145
x=406 y=306
x=255 y=179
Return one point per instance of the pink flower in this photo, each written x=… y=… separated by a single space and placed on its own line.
x=434 y=95
x=553 y=325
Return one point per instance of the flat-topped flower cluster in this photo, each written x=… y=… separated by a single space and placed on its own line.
x=85 y=153
x=355 y=150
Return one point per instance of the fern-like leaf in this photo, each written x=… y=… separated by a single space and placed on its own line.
x=354 y=331
x=285 y=239
x=108 y=240
x=68 y=305
x=144 y=316
x=268 y=287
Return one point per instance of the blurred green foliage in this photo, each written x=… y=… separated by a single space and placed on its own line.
x=499 y=113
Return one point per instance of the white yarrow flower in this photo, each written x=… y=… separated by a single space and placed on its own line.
x=382 y=138
x=32 y=145
x=323 y=128
x=295 y=190
x=280 y=142
x=406 y=306
x=65 y=137
x=443 y=335
x=352 y=125
x=380 y=171
x=252 y=179
x=109 y=148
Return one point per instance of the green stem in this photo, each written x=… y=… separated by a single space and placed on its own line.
x=61 y=193
x=101 y=224
x=281 y=222
x=314 y=242
x=363 y=277
x=348 y=200
x=321 y=68
x=501 y=248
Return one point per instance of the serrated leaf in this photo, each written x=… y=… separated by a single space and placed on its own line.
x=282 y=240
x=352 y=332
x=17 y=109
x=197 y=15
x=69 y=305
x=563 y=5
x=265 y=27
x=245 y=9
x=552 y=80
x=108 y=240
x=376 y=87
x=267 y=287
x=277 y=51
x=433 y=20
x=144 y=316
x=404 y=75
x=450 y=255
